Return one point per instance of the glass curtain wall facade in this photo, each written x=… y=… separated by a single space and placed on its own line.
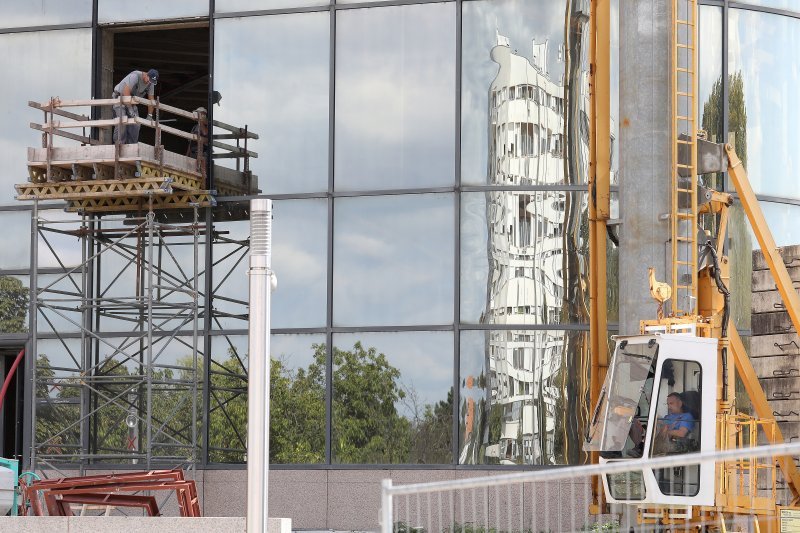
x=747 y=97
x=428 y=162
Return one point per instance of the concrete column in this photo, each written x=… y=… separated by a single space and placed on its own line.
x=644 y=162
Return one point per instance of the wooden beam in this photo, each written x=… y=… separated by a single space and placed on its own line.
x=67 y=135
x=234 y=129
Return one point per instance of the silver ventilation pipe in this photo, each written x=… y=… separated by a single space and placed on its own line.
x=262 y=283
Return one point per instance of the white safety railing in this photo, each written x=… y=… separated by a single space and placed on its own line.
x=546 y=500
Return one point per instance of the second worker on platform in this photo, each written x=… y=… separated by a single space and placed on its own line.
x=137 y=83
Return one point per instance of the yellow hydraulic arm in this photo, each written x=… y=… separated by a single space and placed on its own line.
x=790 y=298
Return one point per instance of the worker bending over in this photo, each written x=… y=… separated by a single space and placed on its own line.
x=137 y=83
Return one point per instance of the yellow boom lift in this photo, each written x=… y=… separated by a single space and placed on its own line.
x=670 y=389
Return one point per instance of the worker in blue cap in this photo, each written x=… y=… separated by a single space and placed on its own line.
x=137 y=83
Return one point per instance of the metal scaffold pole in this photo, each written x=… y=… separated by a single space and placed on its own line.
x=114 y=354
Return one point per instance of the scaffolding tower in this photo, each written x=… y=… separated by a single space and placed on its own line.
x=115 y=352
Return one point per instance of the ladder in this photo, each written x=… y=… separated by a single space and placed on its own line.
x=684 y=211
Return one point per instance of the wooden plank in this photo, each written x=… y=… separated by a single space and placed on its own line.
x=67 y=135
x=61 y=112
x=107 y=123
x=233 y=129
x=763 y=280
x=783 y=344
x=234 y=149
x=167 y=129
x=105 y=154
x=191 y=115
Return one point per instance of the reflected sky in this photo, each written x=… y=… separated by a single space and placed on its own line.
x=294 y=351
x=18 y=14
x=280 y=90
x=393 y=260
x=395 y=97
x=782 y=221
x=710 y=52
x=424 y=359
x=765 y=48
x=15 y=239
x=67 y=54
x=534 y=31
x=298 y=259
x=120 y=11
x=232 y=6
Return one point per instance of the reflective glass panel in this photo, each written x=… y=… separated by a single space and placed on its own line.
x=15 y=239
x=764 y=112
x=782 y=221
x=789 y=5
x=120 y=11
x=525 y=99
x=14 y=299
x=710 y=80
x=393 y=260
x=523 y=397
x=280 y=93
x=233 y=6
x=524 y=258
x=65 y=71
x=299 y=259
x=393 y=398
x=297 y=399
x=395 y=97
x=19 y=14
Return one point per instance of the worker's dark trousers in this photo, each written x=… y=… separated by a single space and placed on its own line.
x=130 y=134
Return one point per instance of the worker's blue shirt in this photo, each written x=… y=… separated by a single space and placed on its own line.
x=677 y=421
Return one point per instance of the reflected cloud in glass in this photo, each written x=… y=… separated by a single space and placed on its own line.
x=45 y=12
x=68 y=56
x=393 y=260
x=117 y=11
x=395 y=97
x=13 y=239
x=392 y=398
x=273 y=73
x=524 y=257
x=764 y=67
x=524 y=397
x=298 y=258
x=233 y=6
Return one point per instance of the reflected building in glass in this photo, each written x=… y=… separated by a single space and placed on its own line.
x=537 y=273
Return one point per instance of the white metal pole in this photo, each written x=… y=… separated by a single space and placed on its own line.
x=262 y=281
x=386 y=506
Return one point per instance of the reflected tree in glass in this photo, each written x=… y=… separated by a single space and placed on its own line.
x=13 y=305
x=367 y=424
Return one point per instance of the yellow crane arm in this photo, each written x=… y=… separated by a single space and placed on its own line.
x=776 y=265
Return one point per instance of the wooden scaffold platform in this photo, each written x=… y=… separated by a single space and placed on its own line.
x=93 y=177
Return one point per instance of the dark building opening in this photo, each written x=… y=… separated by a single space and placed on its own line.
x=11 y=414
x=180 y=53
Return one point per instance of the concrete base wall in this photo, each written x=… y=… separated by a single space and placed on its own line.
x=132 y=524
x=350 y=499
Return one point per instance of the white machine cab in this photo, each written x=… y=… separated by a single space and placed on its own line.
x=658 y=398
